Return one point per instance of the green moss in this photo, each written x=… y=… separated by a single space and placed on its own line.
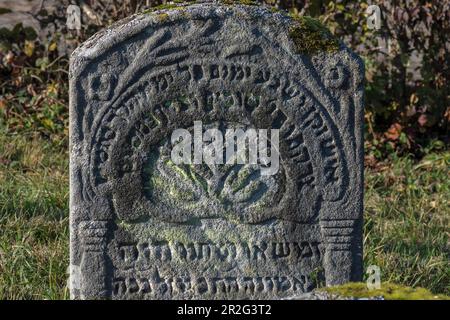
x=311 y=37
x=175 y=5
x=177 y=169
x=123 y=224
x=197 y=179
x=244 y=2
x=180 y=4
x=388 y=291
x=173 y=235
x=164 y=6
x=240 y=182
x=171 y=190
x=163 y=16
x=276 y=10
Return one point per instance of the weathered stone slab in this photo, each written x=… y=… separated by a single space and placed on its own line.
x=143 y=227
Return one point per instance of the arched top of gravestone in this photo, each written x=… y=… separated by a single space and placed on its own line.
x=294 y=64
x=225 y=22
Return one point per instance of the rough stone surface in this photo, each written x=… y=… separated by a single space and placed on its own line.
x=144 y=228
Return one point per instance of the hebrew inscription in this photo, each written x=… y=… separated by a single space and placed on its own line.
x=146 y=227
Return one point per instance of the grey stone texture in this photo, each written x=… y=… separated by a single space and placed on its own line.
x=145 y=228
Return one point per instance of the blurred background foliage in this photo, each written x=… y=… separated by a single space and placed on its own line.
x=407 y=65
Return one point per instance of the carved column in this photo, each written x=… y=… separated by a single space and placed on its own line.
x=93 y=236
x=340 y=263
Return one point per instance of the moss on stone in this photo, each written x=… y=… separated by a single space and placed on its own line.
x=123 y=224
x=171 y=191
x=276 y=10
x=197 y=179
x=388 y=291
x=244 y=2
x=173 y=235
x=168 y=6
x=176 y=168
x=163 y=16
x=241 y=179
x=311 y=37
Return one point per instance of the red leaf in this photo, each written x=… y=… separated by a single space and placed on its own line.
x=393 y=132
x=423 y=119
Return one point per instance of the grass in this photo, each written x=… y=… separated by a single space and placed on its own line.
x=407 y=216
x=406 y=220
x=33 y=219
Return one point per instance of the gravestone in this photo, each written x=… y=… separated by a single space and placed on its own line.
x=145 y=227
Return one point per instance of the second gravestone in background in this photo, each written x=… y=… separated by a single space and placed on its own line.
x=144 y=227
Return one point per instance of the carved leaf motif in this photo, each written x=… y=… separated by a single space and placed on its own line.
x=162 y=49
x=216 y=188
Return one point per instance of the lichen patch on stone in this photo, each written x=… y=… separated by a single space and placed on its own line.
x=311 y=37
x=387 y=291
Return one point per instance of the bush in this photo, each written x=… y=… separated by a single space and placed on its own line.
x=407 y=70
x=407 y=67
